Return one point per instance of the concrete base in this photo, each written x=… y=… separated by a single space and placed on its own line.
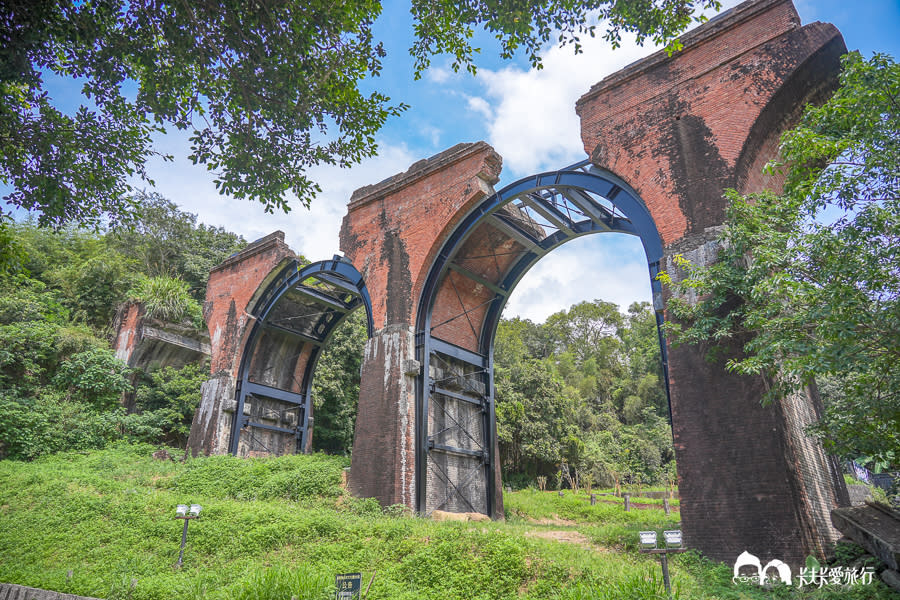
x=11 y=591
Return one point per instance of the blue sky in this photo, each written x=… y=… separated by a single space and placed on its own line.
x=529 y=118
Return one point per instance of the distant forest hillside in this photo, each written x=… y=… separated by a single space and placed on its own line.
x=580 y=398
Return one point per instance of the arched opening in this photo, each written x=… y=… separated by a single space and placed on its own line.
x=467 y=287
x=295 y=316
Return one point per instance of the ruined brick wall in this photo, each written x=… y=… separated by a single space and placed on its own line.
x=233 y=285
x=391 y=234
x=148 y=344
x=680 y=130
x=393 y=229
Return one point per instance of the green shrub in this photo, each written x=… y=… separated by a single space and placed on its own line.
x=165 y=401
x=94 y=376
x=293 y=477
x=167 y=299
x=280 y=583
x=35 y=427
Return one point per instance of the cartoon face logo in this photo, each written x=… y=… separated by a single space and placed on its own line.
x=758 y=573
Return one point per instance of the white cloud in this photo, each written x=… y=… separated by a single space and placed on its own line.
x=438 y=74
x=531 y=121
x=533 y=124
x=481 y=106
x=610 y=267
x=312 y=232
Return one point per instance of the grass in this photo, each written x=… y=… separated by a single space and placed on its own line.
x=276 y=528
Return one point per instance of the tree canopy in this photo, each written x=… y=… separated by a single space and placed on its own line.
x=813 y=275
x=266 y=89
x=585 y=389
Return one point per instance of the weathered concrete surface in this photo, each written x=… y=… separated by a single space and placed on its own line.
x=680 y=130
x=873 y=526
x=384 y=444
x=147 y=344
x=11 y=591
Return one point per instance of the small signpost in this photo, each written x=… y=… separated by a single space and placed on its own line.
x=348 y=586
x=673 y=545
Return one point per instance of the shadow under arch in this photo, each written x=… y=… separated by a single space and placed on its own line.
x=464 y=294
x=295 y=315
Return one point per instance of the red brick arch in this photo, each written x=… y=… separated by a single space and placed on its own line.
x=678 y=130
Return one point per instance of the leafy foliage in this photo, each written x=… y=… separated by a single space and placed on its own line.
x=164 y=241
x=449 y=25
x=95 y=375
x=336 y=386
x=165 y=401
x=266 y=90
x=61 y=382
x=583 y=391
x=167 y=299
x=810 y=279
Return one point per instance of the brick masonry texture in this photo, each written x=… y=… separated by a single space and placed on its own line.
x=680 y=130
x=392 y=233
x=232 y=288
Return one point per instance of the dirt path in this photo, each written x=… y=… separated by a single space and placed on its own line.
x=569 y=536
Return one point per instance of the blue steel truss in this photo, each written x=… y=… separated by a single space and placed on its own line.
x=540 y=212
x=331 y=290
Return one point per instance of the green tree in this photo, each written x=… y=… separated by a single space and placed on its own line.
x=534 y=417
x=266 y=89
x=165 y=401
x=166 y=241
x=336 y=386
x=810 y=278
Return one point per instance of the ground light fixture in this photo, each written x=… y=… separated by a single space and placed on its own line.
x=673 y=545
x=186 y=513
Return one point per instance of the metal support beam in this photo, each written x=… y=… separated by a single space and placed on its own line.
x=466 y=356
x=321 y=298
x=595 y=212
x=291 y=332
x=478 y=279
x=549 y=212
x=457 y=396
x=295 y=431
x=337 y=282
x=454 y=450
x=507 y=226
x=257 y=389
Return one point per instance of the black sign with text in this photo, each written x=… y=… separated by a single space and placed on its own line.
x=348 y=586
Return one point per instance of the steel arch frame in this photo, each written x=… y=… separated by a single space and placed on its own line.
x=336 y=272
x=629 y=215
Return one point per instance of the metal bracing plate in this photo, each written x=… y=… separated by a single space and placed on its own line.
x=461 y=354
x=477 y=278
x=257 y=389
